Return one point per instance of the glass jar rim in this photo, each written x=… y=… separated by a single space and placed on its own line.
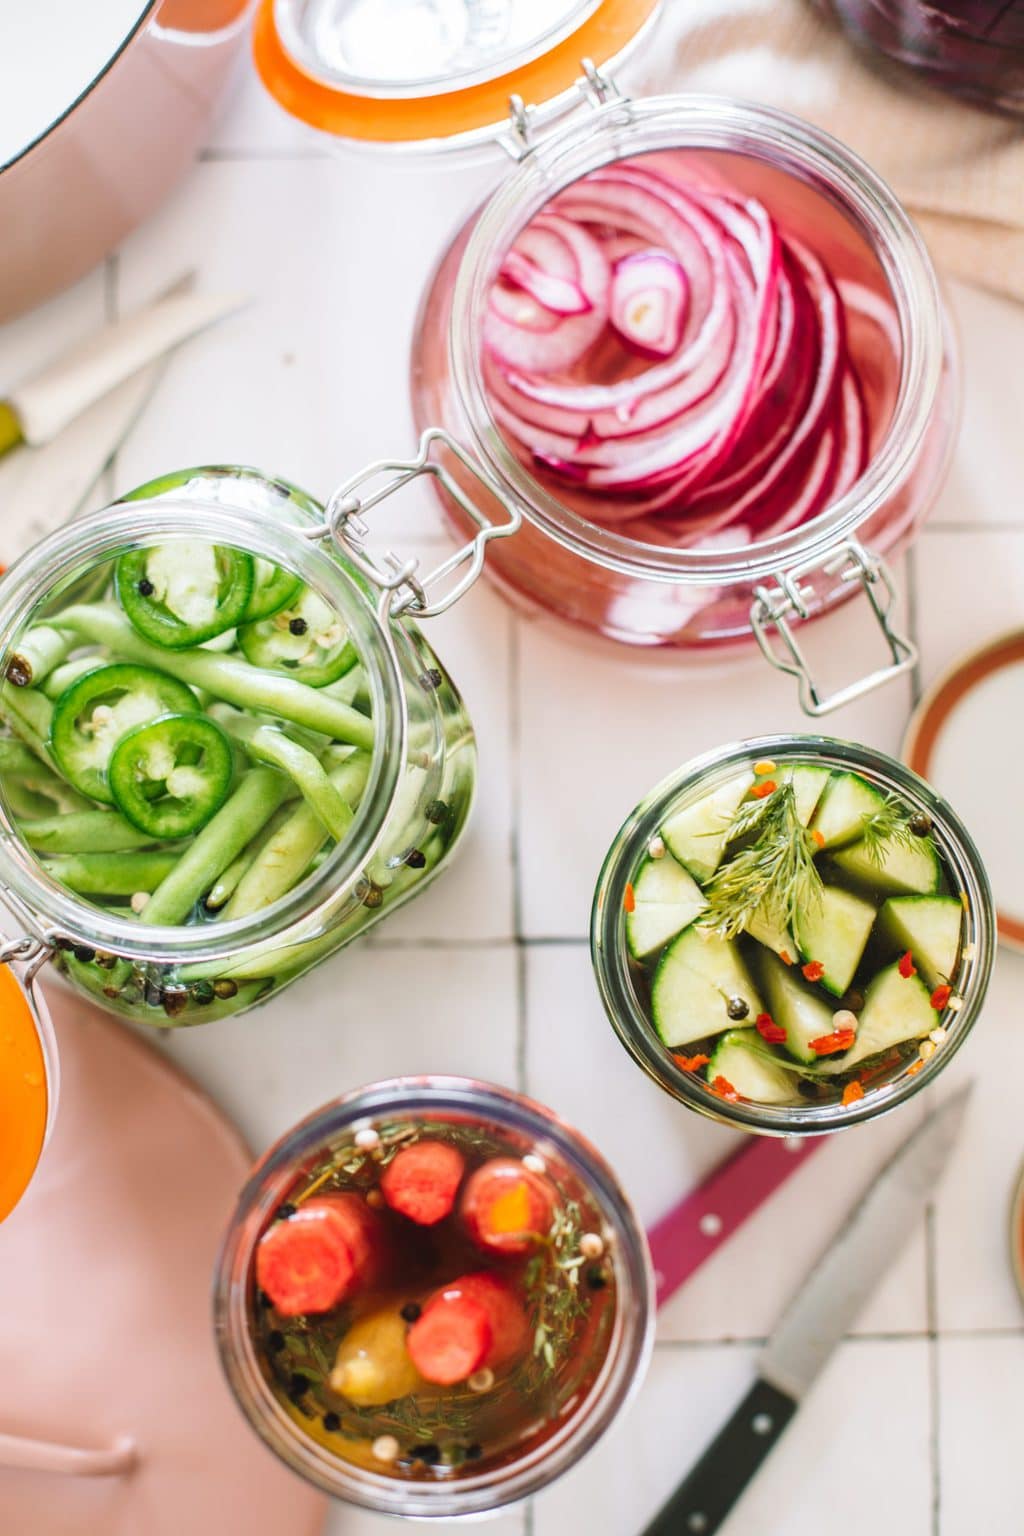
x=609 y=954
x=628 y=1350
x=85 y=542
x=622 y=128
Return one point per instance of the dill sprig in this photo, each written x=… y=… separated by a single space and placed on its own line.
x=891 y=825
x=551 y=1289
x=774 y=874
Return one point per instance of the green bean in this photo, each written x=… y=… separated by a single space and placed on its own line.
x=230 y=679
x=269 y=745
x=23 y=801
x=61 y=678
x=224 y=887
x=285 y=857
x=15 y=757
x=84 y=832
x=28 y=714
x=216 y=846
x=40 y=650
x=111 y=874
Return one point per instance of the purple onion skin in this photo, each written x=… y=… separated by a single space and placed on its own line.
x=974 y=48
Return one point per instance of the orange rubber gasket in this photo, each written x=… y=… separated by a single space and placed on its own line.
x=393 y=121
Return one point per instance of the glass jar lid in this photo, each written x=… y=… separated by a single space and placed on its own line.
x=433 y=74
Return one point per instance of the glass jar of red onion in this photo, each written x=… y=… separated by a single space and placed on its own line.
x=974 y=48
x=702 y=348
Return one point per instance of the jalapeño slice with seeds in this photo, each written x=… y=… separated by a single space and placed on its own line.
x=96 y=711
x=182 y=594
x=169 y=777
x=305 y=639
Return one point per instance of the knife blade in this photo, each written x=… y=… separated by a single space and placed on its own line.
x=834 y=1291
x=41 y=407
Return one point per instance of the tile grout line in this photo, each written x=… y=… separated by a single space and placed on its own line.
x=934 y=1404
x=897 y=1336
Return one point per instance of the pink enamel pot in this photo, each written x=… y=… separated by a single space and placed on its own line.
x=105 y=106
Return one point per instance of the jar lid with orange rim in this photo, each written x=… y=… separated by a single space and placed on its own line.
x=436 y=75
x=29 y=1073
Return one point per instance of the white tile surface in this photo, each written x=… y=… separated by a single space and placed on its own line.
x=311 y=382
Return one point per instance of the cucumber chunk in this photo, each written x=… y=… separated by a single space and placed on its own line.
x=741 y=1058
x=695 y=978
x=808 y=784
x=768 y=932
x=846 y=802
x=667 y=899
x=835 y=932
x=929 y=926
x=803 y=1013
x=696 y=835
x=896 y=1008
x=893 y=867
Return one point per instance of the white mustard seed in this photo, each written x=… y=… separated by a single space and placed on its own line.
x=656 y=848
x=955 y=1004
x=927 y=1049
x=534 y=1163
x=481 y=1381
x=367 y=1139
x=938 y=1036
x=843 y=1018
x=139 y=901
x=591 y=1245
x=385 y=1448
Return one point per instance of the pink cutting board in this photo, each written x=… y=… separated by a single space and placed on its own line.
x=108 y=1368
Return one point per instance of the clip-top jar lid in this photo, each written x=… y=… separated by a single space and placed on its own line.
x=439 y=74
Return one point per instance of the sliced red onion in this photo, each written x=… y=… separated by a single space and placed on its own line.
x=648 y=302
x=676 y=364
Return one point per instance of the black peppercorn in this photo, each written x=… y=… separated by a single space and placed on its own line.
x=203 y=993
x=920 y=824
x=297 y=626
x=297 y=1384
x=285 y=1210
x=154 y=994
x=737 y=1007
x=411 y=1311
x=430 y=1454
x=437 y=811
x=373 y=896
x=84 y=952
x=275 y=1343
x=224 y=987
x=331 y=1423
x=146 y=588
x=430 y=679
x=263 y=1300
x=18 y=672
x=416 y=859
x=597 y=1279
x=175 y=1001
x=474 y=1452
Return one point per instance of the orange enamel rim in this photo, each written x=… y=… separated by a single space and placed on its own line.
x=1017 y=1234
x=28 y=1082
x=933 y=713
x=371 y=119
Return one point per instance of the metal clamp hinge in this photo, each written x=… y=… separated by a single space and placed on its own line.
x=597 y=89
x=776 y=607
x=405 y=589
x=32 y=953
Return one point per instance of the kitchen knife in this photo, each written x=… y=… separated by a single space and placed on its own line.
x=39 y=408
x=698 y=1225
x=826 y=1303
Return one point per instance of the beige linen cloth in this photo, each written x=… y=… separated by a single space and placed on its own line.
x=960 y=171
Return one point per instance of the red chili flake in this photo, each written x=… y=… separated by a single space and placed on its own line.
x=691 y=1063
x=764 y=789
x=813 y=970
x=724 y=1088
x=767 y=1028
x=906 y=967
x=915 y=1068
x=852 y=1092
x=785 y=957
x=940 y=997
x=629 y=900
x=819 y=837
x=838 y=1040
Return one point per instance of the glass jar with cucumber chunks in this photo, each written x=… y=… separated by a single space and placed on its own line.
x=225 y=750
x=793 y=934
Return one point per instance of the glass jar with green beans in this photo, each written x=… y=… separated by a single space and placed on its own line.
x=226 y=748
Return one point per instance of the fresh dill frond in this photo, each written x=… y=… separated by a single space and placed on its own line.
x=889 y=826
x=775 y=874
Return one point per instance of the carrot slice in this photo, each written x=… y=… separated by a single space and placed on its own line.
x=475 y=1321
x=507 y=1207
x=422 y=1181
x=317 y=1256
x=450 y=1338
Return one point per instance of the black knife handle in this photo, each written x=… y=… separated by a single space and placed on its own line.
x=704 y=1498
